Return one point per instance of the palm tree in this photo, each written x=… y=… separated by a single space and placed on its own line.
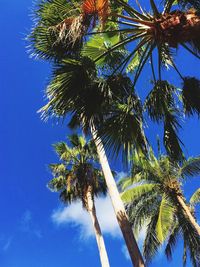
x=89 y=103
x=63 y=28
x=61 y=35
x=78 y=178
x=154 y=199
x=58 y=37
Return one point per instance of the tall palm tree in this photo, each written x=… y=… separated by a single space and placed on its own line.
x=72 y=28
x=58 y=37
x=61 y=36
x=89 y=103
x=154 y=199
x=77 y=177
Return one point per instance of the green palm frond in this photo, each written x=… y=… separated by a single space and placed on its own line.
x=100 y=44
x=159 y=100
x=77 y=171
x=57 y=184
x=151 y=242
x=122 y=130
x=191 y=96
x=165 y=219
x=44 y=38
x=172 y=240
x=195 y=198
x=137 y=192
x=191 y=240
x=77 y=141
x=150 y=201
x=171 y=140
x=65 y=88
x=140 y=211
x=190 y=167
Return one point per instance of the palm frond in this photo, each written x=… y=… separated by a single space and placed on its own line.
x=137 y=191
x=45 y=41
x=122 y=130
x=165 y=219
x=100 y=44
x=191 y=240
x=190 y=167
x=172 y=241
x=159 y=100
x=171 y=140
x=151 y=243
x=195 y=198
x=191 y=96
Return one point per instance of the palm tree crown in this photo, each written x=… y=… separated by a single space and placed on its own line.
x=154 y=197
x=78 y=171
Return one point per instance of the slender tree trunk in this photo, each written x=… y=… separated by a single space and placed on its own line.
x=99 y=238
x=188 y=213
x=118 y=205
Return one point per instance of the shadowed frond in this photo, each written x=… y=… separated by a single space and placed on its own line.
x=171 y=140
x=172 y=241
x=191 y=167
x=159 y=100
x=151 y=242
x=191 y=96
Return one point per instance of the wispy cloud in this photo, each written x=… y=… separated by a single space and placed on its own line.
x=5 y=243
x=27 y=225
x=74 y=215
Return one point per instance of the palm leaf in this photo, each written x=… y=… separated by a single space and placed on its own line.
x=151 y=243
x=172 y=241
x=159 y=100
x=171 y=140
x=191 y=167
x=191 y=96
x=137 y=191
x=195 y=198
x=165 y=219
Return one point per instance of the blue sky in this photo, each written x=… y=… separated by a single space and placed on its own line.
x=35 y=230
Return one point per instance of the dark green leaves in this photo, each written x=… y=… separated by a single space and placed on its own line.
x=159 y=100
x=78 y=169
x=191 y=167
x=160 y=104
x=191 y=96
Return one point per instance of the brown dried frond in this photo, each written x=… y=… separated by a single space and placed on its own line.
x=176 y=27
x=71 y=29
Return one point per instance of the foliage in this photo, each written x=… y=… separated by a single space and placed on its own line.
x=77 y=170
x=151 y=197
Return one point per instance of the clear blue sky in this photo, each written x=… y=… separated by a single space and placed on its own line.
x=30 y=233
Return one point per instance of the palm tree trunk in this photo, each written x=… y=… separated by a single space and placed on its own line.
x=188 y=213
x=99 y=238
x=118 y=205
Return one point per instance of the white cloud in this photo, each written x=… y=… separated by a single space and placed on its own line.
x=76 y=216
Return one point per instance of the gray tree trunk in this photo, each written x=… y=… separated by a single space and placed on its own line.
x=118 y=205
x=99 y=238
